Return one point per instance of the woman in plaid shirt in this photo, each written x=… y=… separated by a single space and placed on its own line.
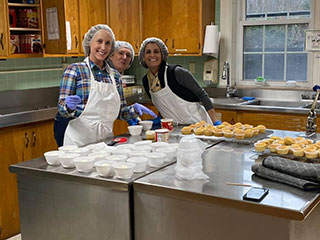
x=91 y=95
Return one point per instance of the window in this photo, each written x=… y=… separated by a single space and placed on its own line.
x=267 y=39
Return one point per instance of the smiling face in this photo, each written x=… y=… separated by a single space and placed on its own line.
x=121 y=59
x=152 y=57
x=100 y=47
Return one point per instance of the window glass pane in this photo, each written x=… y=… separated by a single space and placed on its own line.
x=252 y=66
x=277 y=9
x=297 y=66
x=275 y=38
x=274 y=66
x=253 y=39
x=296 y=37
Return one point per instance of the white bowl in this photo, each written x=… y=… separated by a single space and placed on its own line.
x=143 y=143
x=156 y=159
x=52 y=157
x=68 y=148
x=135 y=130
x=95 y=146
x=98 y=156
x=84 y=151
x=66 y=159
x=104 y=168
x=140 y=163
x=123 y=170
x=143 y=148
x=84 y=164
x=125 y=146
x=108 y=149
x=169 y=151
x=118 y=158
x=137 y=154
x=147 y=125
x=119 y=151
x=156 y=145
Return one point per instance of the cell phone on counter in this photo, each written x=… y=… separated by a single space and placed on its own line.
x=256 y=194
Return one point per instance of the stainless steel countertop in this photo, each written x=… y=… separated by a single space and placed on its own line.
x=39 y=167
x=231 y=162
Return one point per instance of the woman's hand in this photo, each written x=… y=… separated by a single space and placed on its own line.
x=72 y=101
x=140 y=109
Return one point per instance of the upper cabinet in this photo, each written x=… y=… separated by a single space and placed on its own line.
x=124 y=19
x=20 y=30
x=179 y=23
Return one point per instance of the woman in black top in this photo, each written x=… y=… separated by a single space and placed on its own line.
x=173 y=89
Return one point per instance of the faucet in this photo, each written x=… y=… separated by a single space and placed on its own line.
x=311 y=127
x=230 y=91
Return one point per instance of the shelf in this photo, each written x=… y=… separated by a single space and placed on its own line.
x=23 y=5
x=25 y=55
x=25 y=29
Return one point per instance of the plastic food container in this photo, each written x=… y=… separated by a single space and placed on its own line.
x=140 y=163
x=135 y=130
x=310 y=153
x=68 y=148
x=147 y=125
x=104 y=168
x=137 y=154
x=119 y=151
x=282 y=150
x=156 y=145
x=273 y=147
x=52 y=157
x=162 y=135
x=170 y=153
x=143 y=143
x=297 y=152
x=260 y=147
x=82 y=151
x=118 y=158
x=84 y=164
x=66 y=159
x=129 y=146
x=123 y=170
x=143 y=148
x=156 y=159
x=98 y=156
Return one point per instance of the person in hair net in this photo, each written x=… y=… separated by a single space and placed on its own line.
x=91 y=95
x=122 y=56
x=173 y=89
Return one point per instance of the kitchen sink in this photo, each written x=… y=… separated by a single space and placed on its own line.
x=230 y=101
x=293 y=104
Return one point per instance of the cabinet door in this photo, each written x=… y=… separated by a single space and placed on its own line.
x=52 y=10
x=186 y=26
x=4 y=33
x=124 y=19
x=227 y=116
x=157 y=20
x=91 y=12
x=72 y=18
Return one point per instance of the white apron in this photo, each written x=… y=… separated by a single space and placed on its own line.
x=96 y=121
x=180 y=110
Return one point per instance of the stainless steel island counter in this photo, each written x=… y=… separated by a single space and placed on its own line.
x=58 y=203
x=168 y=208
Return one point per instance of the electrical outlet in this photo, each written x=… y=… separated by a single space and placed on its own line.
x=192 y=67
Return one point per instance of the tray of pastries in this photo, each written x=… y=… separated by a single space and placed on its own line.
x=237 y=132
x=299 y=148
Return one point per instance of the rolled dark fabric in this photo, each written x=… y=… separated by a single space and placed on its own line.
x=277 y=176
x=307 y=171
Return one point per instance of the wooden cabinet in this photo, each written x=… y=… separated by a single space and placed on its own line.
x=20 y=30
x=75 y=17
x=18 y=144
x=227 y=115
x=124 y=19
x=179 y=23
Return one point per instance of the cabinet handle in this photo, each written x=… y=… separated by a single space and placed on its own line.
x=26 y=140
x=76 y=40
x=172 y=43
x=34 y=139
x=165 y=41
x=137 y=47
x=181 y=50
x=1 y=41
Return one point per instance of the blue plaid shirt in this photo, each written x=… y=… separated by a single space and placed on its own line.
x=76 y=81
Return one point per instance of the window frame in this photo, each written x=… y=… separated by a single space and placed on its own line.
x=232 y=16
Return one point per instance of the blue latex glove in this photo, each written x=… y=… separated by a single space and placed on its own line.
x=216 y=123
x=132 y=122
x=72 y=101
x=142 y=109
x=156 y=123
x=316 y=88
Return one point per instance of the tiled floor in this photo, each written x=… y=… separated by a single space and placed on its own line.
x=17 y=237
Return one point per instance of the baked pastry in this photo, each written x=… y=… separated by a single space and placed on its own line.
x=199 y=131
x=228 y=133
x=185 y=130
x=247 y=126
x=260 y=147
x=282 y=150
x=276 y=138
x=239 y=134
x=311 y=153
x=289 y=140
x=208 y=131
x=273 y=147
x=218 y=132
x=151 y=135
x=255 y=131
x=261 y=128
x=248 y=133
x=297 y=152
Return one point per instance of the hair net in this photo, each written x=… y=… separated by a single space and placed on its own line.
x=161 y=45
x=123 y=44
x=90 y=35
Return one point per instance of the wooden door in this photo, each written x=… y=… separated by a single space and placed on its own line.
x=157 y=20
x=186 y=26
x=4 y=29
x=12 y=148
x=54 y=31
x=72 y=19
x=91 y=12
x=124 y=19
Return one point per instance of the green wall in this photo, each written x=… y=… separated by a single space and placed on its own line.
x=28 y=73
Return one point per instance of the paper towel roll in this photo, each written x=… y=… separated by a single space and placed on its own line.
x=211 y=41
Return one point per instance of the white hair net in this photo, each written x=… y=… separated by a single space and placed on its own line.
x=90 y=35
x=161 y=45
x=123 y=44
